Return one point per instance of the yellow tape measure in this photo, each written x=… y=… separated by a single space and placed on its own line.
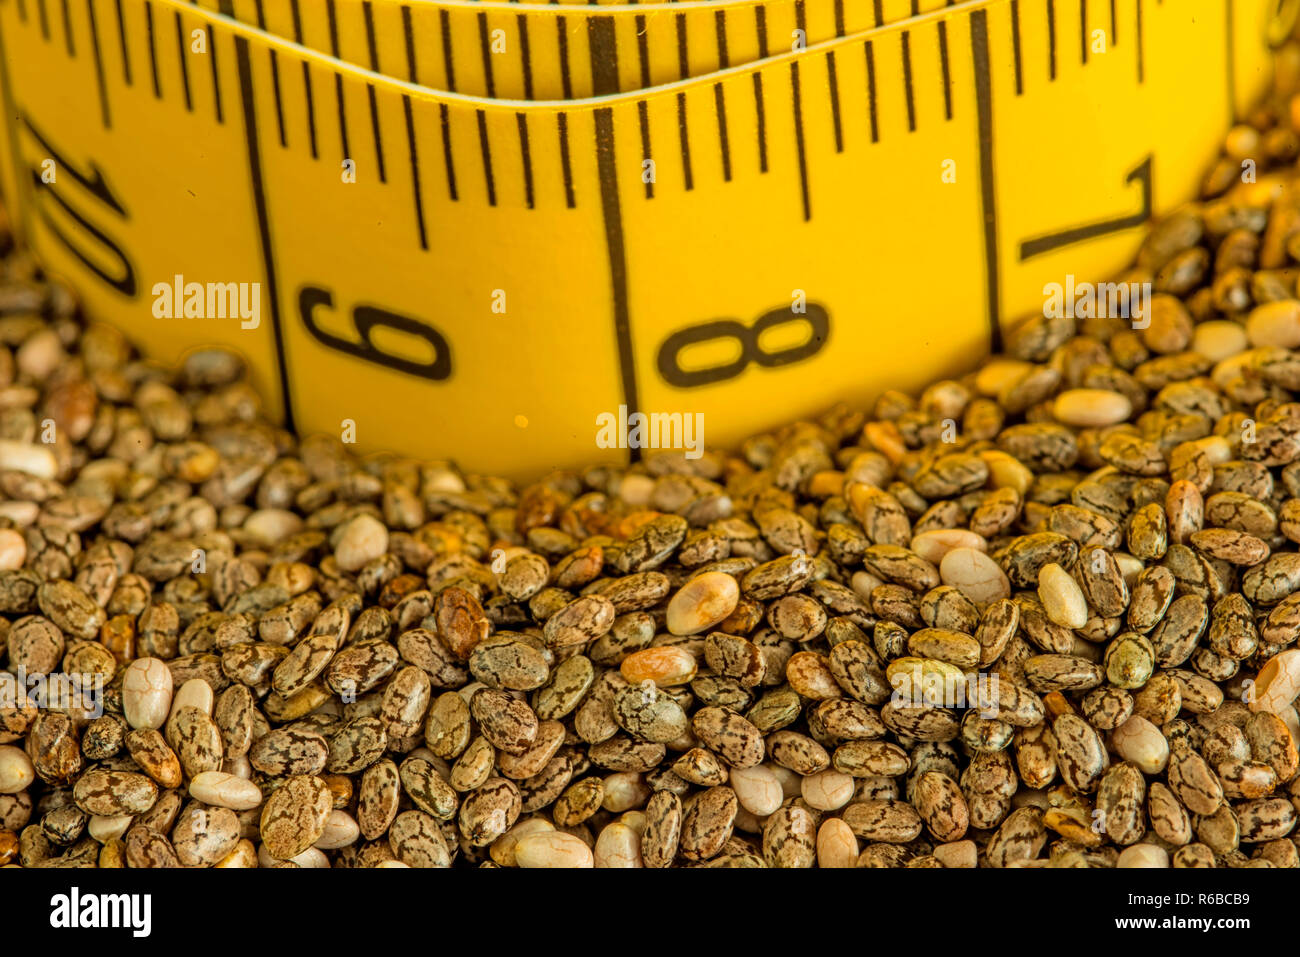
x=482 y=278
x=545 y=52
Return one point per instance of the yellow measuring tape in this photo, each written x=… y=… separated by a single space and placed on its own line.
x=545 y=52
x=482 y=278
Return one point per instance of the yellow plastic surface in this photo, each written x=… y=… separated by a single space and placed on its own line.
x=502 y=273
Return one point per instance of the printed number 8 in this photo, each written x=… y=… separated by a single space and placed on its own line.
x=670 y=366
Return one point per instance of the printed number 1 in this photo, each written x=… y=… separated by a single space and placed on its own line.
x=1053 y=241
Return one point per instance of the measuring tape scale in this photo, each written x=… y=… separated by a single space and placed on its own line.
x=535 y=52
x=522 y=268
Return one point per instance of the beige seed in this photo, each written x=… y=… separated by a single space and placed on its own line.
x=665 y=666
x=1275 y=324
x=13 y=550
x=636 y=489
x=502 y=849
x=105 y=828
x=270 y=526
x=1234 y=368
x=35 y=460
x=1007 y=471
x=758 y=789
x=313 y=858
x=1219 y=339
x=702 y=602
x=636 y=820
x=341 y=830
x=864 y=583
x=1129 y=566
x=22 y=514
x=1241 y=142
x=998 y=374
x=618 y=846
x=225 y=790
x=1291 y=718
x=791 y=781
x=1091 y=408
x=552 y=849
x=146 y=693
x=364 y=540
x=1062 y=597
x=933 y=546
x=1140 y=741
x=1143 y=855
x=1278 y=683
x=40 y=354
x=16 y=770
x=624 y=791
x=827 y=790
x=836 y=844
x=975 y=575
x=195 y=693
